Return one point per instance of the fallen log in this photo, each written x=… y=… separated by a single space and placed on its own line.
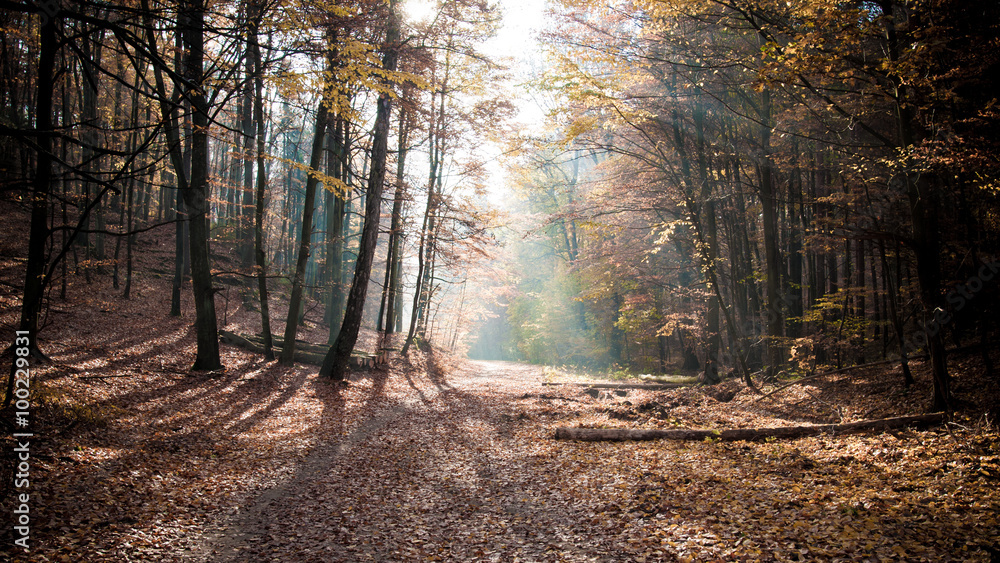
x=735 y=434
x=305 y=352
x=630 y=386
x=279 y=343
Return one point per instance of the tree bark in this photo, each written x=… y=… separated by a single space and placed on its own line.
x=393 y=263
x=315 y=160
x=336 y=361
x=768 y=200
x=258 y=244
x=924 y=196
x=425 y=248
x=38 y=233
x=336 y=205
x=196 y=195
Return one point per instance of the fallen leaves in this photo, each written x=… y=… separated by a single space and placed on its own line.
x=453 y=461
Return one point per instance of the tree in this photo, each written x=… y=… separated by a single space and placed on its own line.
x=192 y=29
x=797 y=139
x=305 y=236
x=388 y=310
x=260 y=259
x=460 y=111
x=335 y=363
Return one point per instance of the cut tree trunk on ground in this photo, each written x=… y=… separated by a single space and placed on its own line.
x=639 y=386
x=305 y=352
x=622 y=434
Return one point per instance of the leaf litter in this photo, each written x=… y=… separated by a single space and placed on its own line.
x=439 y=459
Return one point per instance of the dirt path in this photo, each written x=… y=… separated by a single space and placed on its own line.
x=440 y=475
x=426 y=462
x=463 y=468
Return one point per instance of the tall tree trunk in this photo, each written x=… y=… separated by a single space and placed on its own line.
x=196 y=195
x=897 y=322
x=247 y=211
x=709 y=223
x=180 y=243
x=298 y=278
x=92 y=50
x=335 y=363
x=418 y=292
x=387 y=310
x=772 y=263
x=335 y=231
x=794 y=283
x=38 y=233
x=924 y=196
x=258 y=222
x=424 y=252
x=168 y=114
x=128 y=210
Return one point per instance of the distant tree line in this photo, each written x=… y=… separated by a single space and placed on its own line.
x=764 y=187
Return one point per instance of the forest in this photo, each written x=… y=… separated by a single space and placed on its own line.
x=622 y=280
x=763 y=189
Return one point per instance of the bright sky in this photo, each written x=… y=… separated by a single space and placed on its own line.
x=521 y=19
x=515 y=44
x=518 y=41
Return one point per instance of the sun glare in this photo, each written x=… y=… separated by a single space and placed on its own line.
x=420 y=10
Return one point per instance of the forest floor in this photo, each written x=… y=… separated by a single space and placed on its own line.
x=432 y=458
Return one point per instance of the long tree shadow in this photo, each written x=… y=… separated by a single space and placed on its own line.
x=165 y=424
x=257 y=518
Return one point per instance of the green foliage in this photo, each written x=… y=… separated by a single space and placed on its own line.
x=546 y=328
x=833 y=330
x=618 y=372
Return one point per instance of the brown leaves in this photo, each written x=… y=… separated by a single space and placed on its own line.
x=443 y=460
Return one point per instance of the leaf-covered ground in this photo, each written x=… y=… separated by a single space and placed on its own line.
x=137 y=459
x=445 y=460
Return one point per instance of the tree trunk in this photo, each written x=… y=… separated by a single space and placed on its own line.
x=92 y=50
x=196 y=195
x=336 y=361
x=423 y=253
x=38 y=233
x=335 y=238
x=622 y=434
x=258 y=243
x=315 y=160
x=897 y=322
x=768 y=200
x=923 y=193
x=713 y=338
x=393 y=258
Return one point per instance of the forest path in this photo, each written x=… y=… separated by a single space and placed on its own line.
x=440 y=473
x=460 y=464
